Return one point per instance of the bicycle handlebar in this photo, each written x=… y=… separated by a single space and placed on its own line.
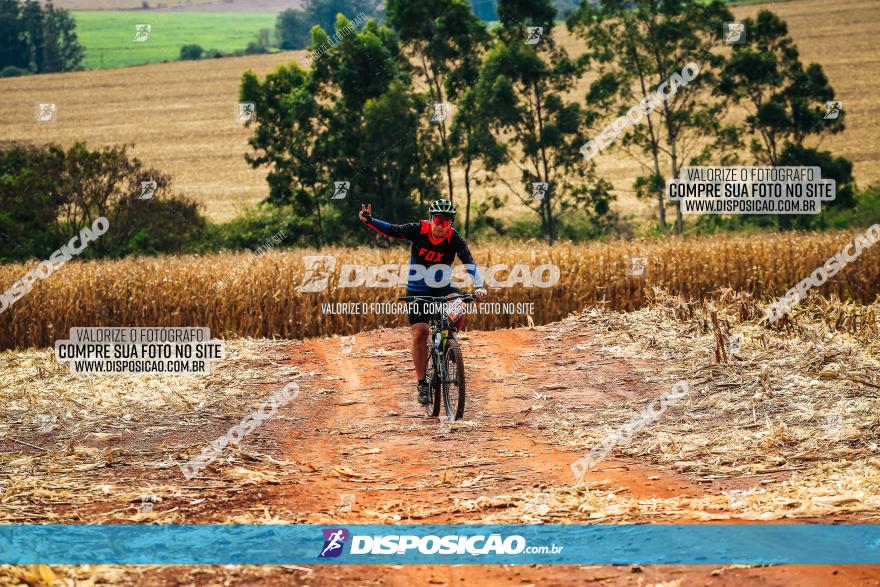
x=465 y=297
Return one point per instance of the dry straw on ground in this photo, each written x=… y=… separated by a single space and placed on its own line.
x=791 y=417
x=795 y=407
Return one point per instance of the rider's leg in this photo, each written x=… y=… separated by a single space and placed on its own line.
x=420 y=348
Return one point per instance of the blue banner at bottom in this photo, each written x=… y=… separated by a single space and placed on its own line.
x=647 y=544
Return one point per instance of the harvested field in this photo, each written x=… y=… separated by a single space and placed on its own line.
x=784 y=430
x=179 y=115
x=248 y=295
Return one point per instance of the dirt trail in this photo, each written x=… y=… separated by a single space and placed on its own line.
x=378 y=446
x=354 y=447
x=365 y=436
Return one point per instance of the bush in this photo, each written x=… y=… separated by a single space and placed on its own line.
x=191 y=52
x=292 y=29
x=48 y=194
x=13 y=71
x=866 y=211
x=253 y=228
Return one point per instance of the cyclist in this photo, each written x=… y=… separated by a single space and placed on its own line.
x=434 y=242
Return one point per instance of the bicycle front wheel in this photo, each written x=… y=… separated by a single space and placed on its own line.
x=453 y=383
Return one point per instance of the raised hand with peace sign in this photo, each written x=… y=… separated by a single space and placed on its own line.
x=366 y=212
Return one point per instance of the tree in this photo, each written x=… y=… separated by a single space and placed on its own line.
x=34 y=34
x=62 y=50
x=292 y=26
x=351 y=118
x=785 y=104
x=39 y=39
x=13 y=47
x=30 y=199
x=472 y=140
x=446 y=40
x=642 y=45
x=292 y=29
x=323 y=12
x=522 y=87
x=191 y=52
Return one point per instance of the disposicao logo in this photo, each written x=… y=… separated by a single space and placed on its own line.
x=334 y=540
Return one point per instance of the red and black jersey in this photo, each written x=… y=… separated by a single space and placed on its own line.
x=427 y=251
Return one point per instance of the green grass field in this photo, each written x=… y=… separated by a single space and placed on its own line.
x=108 y=36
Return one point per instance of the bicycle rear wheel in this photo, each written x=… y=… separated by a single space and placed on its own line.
x=453 y=383
x=432 y=408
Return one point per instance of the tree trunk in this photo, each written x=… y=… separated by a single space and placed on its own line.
x=670 y=126
x=655 y=140
x=467 y=189
x=437 y=94
x=320 y=221
x=442 y=130
x=419 y=171
x=548 y=194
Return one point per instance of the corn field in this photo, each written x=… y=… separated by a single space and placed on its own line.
x=258 y=295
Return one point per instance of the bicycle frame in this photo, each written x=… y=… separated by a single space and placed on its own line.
x=442 y=329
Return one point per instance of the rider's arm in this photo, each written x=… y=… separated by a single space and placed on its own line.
x=464 y=253
x=398 y=231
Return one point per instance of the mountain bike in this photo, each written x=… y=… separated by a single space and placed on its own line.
x=444 y=369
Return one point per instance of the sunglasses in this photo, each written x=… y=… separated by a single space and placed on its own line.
x=441 y=221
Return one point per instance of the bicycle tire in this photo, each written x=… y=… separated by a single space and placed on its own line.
x=454 y=364
x=432 y=408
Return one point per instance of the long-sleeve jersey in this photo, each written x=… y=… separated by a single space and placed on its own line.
x=427 y=251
